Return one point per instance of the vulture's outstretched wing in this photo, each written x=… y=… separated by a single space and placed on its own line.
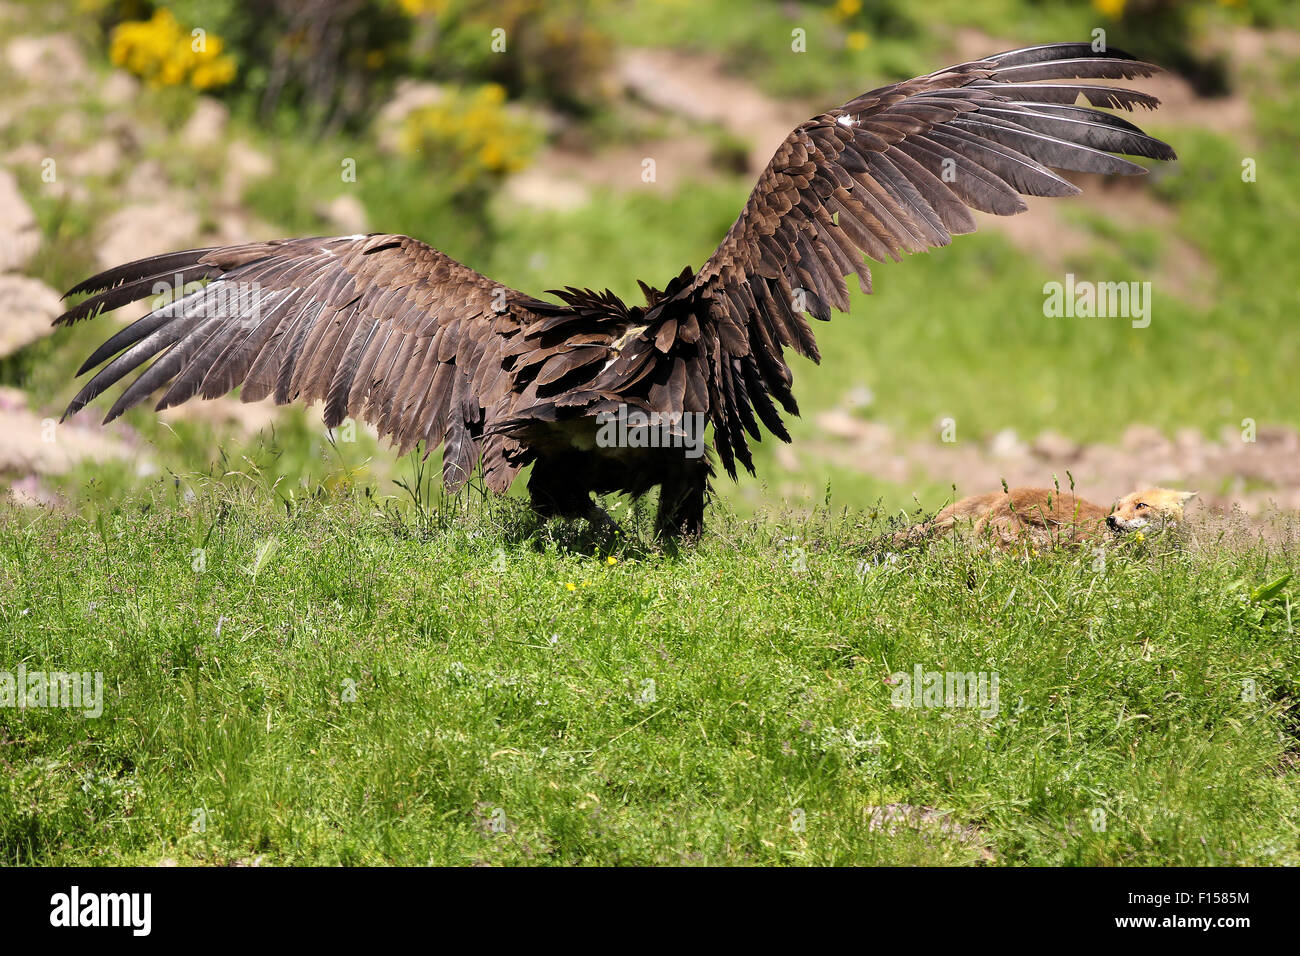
x=898 y=170
x=383 y=328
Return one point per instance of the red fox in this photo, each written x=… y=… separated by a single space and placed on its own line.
x=1043 y=517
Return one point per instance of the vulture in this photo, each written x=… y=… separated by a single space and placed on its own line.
x=389 y=330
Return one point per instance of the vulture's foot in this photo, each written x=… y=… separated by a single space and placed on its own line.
x=681 y=506
x=604 y=524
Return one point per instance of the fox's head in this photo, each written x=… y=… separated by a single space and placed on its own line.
x=1153 y=508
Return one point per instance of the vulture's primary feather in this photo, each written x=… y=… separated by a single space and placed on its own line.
x=386 y=329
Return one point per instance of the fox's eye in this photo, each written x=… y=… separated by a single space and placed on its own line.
x=1141 y=505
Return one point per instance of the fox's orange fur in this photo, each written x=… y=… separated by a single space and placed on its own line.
x=1043 y=517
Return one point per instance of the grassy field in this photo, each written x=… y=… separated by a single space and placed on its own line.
x=347 y=681
x=302 y=665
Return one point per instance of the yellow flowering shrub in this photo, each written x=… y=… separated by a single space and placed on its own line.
x=846 y=9
x=471 y=134
x=549 y=49
x=1115 y=9
x=162 y=53
x=857 y=40
x=420 y=8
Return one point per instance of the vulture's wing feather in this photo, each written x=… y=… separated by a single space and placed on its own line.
x=897 y=170
x=383 y=328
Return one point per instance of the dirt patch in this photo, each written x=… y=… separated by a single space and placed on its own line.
x=32 y=446
x=247 y=418
x=1256 y=473
x=27 y=309
x=19 y=235
x=564 y=178
x=686 y=92
x=697 y=87
x=1179 y=103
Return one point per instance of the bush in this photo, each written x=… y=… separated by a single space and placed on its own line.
x=471 y=134
x=547 y=49
x=332 y=61
x=162 y=53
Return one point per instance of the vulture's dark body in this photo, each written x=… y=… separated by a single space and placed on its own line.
x=388 y=330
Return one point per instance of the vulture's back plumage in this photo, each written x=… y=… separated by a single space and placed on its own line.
x=388 y=330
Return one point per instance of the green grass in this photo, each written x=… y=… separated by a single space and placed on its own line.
x=504 y=710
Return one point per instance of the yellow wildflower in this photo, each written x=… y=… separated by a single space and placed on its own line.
x=844 y=9
x=419 y=8
x=470 y=133
x=162 y=53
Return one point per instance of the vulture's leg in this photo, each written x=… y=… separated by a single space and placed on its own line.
x=681 y=501
x=555 y=491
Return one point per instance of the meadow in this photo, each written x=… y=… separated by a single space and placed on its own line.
x=339 y=681
x=311 y=656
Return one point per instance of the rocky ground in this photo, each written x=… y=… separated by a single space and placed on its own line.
x=1254 y=471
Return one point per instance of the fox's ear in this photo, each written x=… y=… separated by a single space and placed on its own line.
x=1187 y=495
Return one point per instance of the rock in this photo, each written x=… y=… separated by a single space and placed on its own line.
x=1145 y=439
x=28 y=154
x=1007 y=444
x=244 y=164
x=30 y=493
x=35 y=444
x=119 y=89
x=47 y=61
x=540 y=189
x=859 y=397
x=19 y=235
x=101 y=159
x=1053 y=446
x=207 y=124
x=1231 y=437
x=687 y=85
x=130 y=132
x=27 y=307
x=249 y=417
x=150 y=229
x=840 y=423
x=233 y=226
x=409 y=96
x=346 y=214
x=247 y=160
x=1278 y=438
x=147 y=181
x=70 y=127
